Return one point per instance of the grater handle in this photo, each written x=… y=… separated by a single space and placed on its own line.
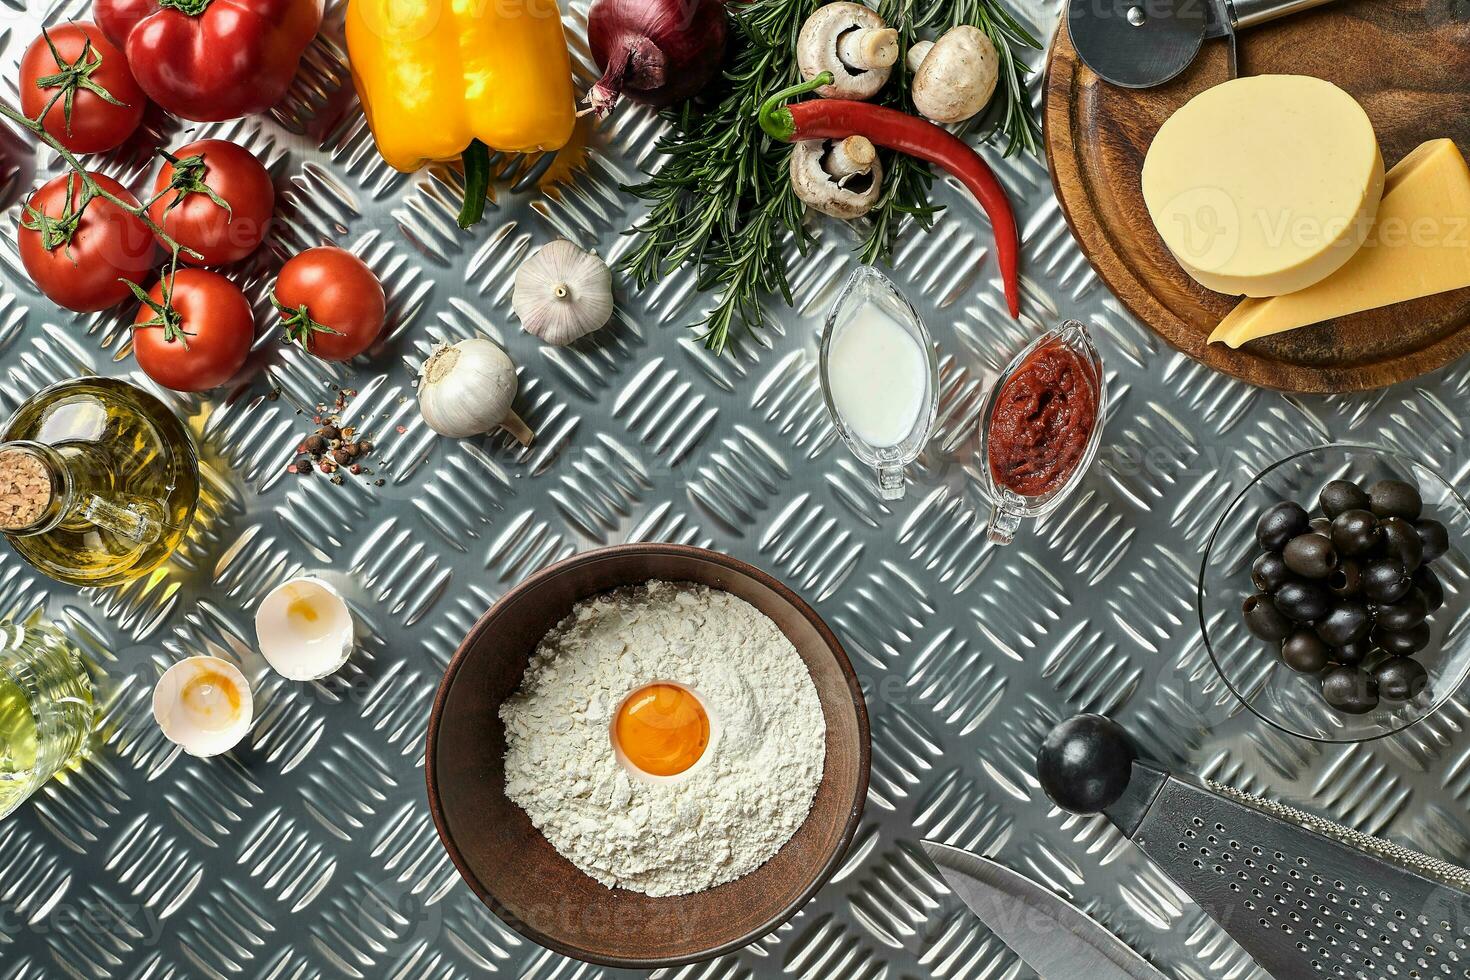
x=1132 y=807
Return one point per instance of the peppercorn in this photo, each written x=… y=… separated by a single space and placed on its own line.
x=330 y=431
x=315 y=445
x=342 y=454
x=364 y=447
x=303 y=464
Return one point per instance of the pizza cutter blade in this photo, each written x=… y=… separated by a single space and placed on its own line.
x=1143 y=43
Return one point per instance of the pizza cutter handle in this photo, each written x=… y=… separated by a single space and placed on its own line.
x=1249 y=13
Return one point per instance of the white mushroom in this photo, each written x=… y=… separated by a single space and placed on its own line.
x=955 y=76
x=840 y=178
x=851 y=42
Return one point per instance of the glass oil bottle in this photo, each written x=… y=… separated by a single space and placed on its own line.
x=98 y=481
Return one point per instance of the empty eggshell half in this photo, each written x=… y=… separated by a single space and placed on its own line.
x=304 y=629
x=203 y=705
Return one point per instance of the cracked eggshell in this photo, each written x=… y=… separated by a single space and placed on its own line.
x=203 y=705
x=304 y=629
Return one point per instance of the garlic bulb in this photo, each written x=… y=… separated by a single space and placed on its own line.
x=467 y=388
x=562 y=293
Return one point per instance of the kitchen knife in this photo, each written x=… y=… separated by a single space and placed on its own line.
x=1050 y=934
x=1143 y=43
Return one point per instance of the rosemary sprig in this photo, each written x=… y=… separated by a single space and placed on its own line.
x=722 y=200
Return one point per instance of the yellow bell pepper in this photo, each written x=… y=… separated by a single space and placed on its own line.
x=441 y=79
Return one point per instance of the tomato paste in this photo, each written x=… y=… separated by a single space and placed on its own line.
x=1042 y=421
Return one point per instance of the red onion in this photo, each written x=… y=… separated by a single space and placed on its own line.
x=657 y=52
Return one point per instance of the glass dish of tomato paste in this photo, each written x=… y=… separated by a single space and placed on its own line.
x=1042 y=426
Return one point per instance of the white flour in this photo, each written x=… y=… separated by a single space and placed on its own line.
x=723 y=818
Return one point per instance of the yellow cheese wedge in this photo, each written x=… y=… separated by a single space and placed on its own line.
x=1264 y=185
x=1419 y=246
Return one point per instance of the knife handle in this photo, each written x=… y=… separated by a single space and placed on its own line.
x=1249 y=13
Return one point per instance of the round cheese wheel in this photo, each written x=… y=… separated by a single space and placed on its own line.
x=1264 y=185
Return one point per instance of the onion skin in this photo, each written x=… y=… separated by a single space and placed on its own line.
x=657 y=52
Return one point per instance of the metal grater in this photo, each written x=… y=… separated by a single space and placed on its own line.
x=1306 y=897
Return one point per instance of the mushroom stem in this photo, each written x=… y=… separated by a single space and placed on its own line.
x=854 y=155
x=918 y=53
x=518 y=429
x=869 y=49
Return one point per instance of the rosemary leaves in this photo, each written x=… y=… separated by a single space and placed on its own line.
x=721 y=200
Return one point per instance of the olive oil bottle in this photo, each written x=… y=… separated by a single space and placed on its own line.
x=98 y=481
x=46 y=710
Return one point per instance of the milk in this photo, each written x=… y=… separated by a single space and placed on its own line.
x=877 y=375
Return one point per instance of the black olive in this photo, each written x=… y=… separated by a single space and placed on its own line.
x=1401 y=541
x=1263 y=618
x=1384 y=580
x=1345 y=579
x=1270 y=572
x=1401 y=678
x=1345 y=623
x=1351 y=690
x=1434 y=538
x=1429 y=587
x=1321 y=525
x=1279 y=524
x=1085 y=763
x=1404 y=642
x=1341 y=495
x=1408 y=612
x=1303 y=601
x=1311 y=555
x=1304 y=652
x=1395 y=498
x=1355 y=533
x=1351 y=654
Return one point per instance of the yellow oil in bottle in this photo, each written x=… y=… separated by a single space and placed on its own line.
x=124 y=481
x=46 y=709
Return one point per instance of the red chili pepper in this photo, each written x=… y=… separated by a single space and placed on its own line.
x=820 y=119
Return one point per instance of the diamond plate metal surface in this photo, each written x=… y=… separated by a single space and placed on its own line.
x=309 y=851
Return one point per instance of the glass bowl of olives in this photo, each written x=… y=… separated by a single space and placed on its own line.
x=1333 y=593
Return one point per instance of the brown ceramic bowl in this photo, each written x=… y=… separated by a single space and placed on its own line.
x=522 y=878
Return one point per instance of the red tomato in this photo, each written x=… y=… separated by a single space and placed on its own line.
x=209 y=60
x=78 y=56
x=200 y=338
x=194 y=219
x=332 y=303
x=109 y=245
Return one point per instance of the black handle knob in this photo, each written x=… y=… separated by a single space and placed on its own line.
x=1085 y=763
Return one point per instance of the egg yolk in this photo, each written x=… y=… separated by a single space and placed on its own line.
x=662 y=729
x=307 y=620
x=212 y=699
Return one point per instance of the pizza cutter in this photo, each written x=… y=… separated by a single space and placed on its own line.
x=1143 y=43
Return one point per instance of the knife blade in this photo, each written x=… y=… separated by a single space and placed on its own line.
x=1051 y=935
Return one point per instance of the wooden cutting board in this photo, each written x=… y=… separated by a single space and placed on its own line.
x=1406 y=61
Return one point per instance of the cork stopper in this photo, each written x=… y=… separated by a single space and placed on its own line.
x=26 y=489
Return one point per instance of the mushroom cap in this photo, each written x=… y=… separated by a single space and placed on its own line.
x=820 y=190
x=816 y=50
x=957 y=76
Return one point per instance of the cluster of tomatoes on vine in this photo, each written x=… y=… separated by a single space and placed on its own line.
x=89 y=244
